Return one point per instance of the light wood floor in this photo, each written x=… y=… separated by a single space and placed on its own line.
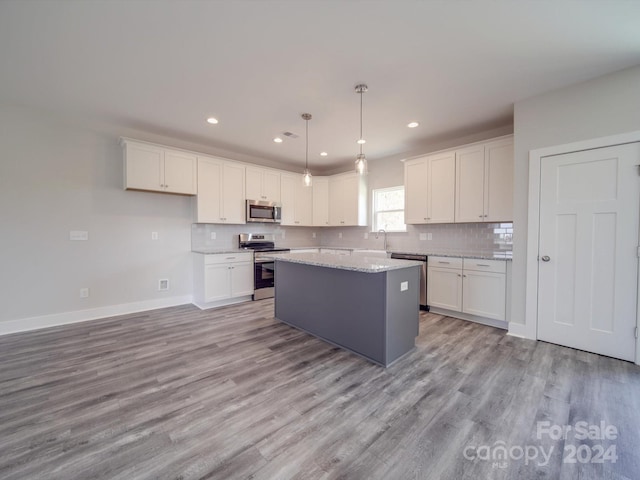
x=232 y=393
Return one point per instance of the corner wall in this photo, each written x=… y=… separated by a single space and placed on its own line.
x=603 y=106
x=57 y=176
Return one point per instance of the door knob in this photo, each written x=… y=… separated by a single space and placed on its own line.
x=546 y=258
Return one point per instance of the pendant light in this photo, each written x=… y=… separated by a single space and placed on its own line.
x=361 y=160
x=307 y=179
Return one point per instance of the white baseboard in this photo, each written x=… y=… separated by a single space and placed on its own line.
x=518 y=330
x=490 y=322
x=56 y=319
x=221 y=303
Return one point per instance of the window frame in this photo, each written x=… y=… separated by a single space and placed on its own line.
x=374 y=210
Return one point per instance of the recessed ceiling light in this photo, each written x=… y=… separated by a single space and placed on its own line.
x=361 y=141
x=212 y=120
x=323 y=154
x=413 y=124
x=277 y=140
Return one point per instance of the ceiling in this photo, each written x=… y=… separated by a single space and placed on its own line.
x=163 y=67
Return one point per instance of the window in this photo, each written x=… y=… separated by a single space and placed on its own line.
x=388 y=209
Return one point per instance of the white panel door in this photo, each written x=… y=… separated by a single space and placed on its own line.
x=336 y=201
x=442 y=188
x=470 y=184
x=241 y=279
x=320 y=202
x=288 y=184
x=233 y=196
x=271 y=186
x=208 y=201
x=180 y=172
x=588 y=257
x=416 y=191
x=145 y=167
x=498 y=176
x=253 y=183
x=444 y=288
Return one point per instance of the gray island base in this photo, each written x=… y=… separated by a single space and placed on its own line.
x=372 y=311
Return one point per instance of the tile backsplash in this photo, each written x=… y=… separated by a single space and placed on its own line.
x=445 y=238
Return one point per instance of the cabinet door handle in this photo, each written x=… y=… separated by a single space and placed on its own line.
x=479 y=216
x=464 y=276
x=459 y=275
x=231 y=258
x=446 y=263
x=482 y=265
x=166 y=186
x=485 y=216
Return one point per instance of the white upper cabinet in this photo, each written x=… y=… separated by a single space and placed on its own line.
x=498 y=174
x=430 y=189
x=157 y=169
x=320 y=201
x=262 y=184
x=470 y=184
x=221 y=197
x=484 y=182
x=416 y=177
x=296 y=201
x=347 y=200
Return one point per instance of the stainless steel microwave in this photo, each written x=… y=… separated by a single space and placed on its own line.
x=263 y=212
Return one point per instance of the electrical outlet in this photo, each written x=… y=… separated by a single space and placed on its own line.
x=423 y=236
x=283 y=234
x=213 y=235
x=154 y=235
x=404 y=286
x=339 y=234
x=84 y=293
x=163 y=284
x=429 y=236
x=366 y=235
x=313 y=234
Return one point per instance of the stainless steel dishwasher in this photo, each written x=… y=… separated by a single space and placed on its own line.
x=423 y=274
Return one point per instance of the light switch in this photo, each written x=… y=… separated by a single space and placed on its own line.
x=313 y=235
x=339 y=234
x=404 y=286
x=423 y=236
x=154 y=235
x=78 y=235
x=213 y=235
x=429 y=236
x=366 y=235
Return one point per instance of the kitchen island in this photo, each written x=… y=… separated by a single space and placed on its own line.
x=367 y=305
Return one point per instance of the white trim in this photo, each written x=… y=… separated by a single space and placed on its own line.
x=490 y=322
x=223 y=303
x=533 y=221
x=65 y=318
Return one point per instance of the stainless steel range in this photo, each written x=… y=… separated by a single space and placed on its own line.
x=262 y=245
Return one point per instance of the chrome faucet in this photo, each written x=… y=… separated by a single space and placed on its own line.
x=385 y=237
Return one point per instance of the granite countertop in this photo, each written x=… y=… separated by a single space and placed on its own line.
x=362 y=263
x=481 y=256
x=221 y=250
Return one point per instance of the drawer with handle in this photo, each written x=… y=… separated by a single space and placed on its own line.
x=496 y=266
x=211 y=259
x=445 y=262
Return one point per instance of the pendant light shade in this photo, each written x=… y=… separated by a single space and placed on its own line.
x=307 y=178
x=361 y=160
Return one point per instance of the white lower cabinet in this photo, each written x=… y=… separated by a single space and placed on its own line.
x=475 y=288
x=221 y=279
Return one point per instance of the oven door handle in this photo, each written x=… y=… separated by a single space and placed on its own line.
x=259 y=261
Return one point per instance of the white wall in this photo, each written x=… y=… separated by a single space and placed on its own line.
x=57 y=176
x=602 y=106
